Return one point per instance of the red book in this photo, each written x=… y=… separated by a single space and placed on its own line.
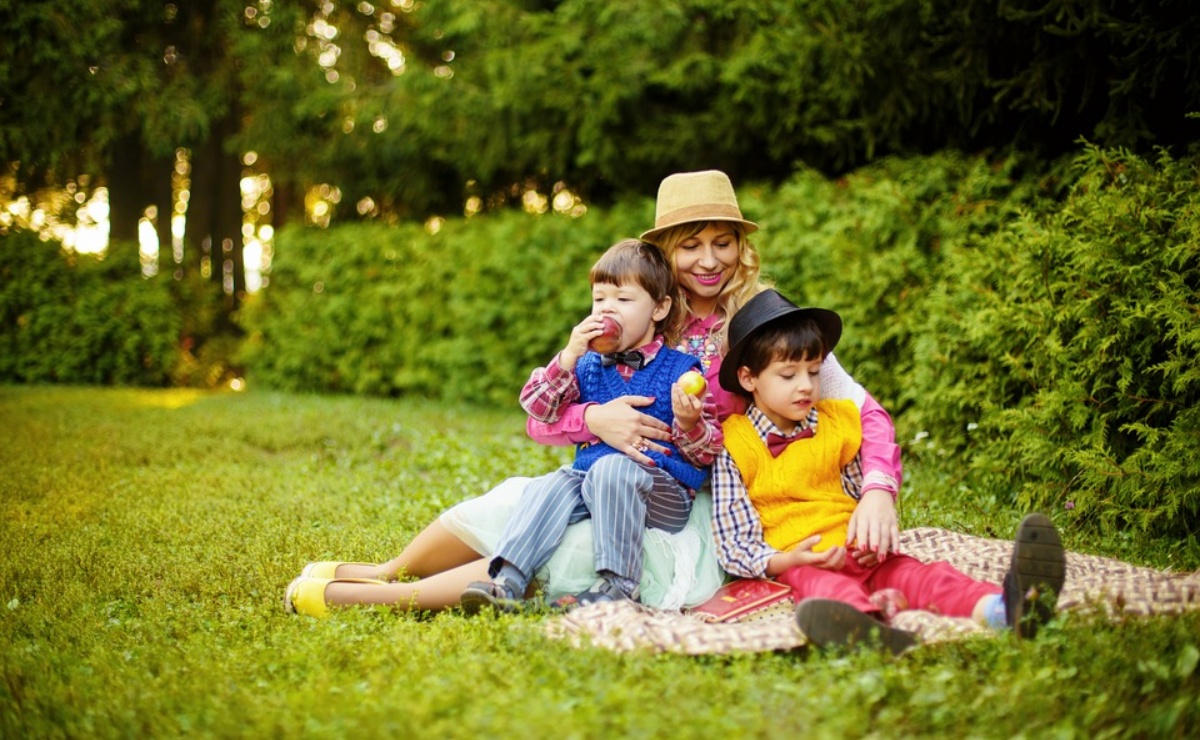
x=745 y=597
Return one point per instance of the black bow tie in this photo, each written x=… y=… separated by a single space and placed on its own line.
x=633 y=358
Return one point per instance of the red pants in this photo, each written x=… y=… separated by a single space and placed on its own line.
x=935 y=587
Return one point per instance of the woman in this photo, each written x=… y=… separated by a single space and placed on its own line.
x=701 y=230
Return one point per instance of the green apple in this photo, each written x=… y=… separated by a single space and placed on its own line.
x=693 y=383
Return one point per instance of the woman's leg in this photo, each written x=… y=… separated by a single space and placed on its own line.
x=434 y=550
x=439 y=591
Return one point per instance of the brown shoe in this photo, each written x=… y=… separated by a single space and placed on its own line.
x=1035 y=577
x=827 y=622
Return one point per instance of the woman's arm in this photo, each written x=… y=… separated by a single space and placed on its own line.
x=880 y=453
x=617 y=423
x=569 y=429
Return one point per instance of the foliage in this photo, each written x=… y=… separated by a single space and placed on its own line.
x=1030 y=328
x=609 y=97
x=1033 y=331
x=463 y=314
x=150 y=534
x=489 y=98
x=77 y=319
x=1087 y=325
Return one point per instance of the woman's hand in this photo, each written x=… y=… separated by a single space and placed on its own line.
x=619 y=424
x=874 y=528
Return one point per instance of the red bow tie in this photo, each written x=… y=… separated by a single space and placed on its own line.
x=776 y=443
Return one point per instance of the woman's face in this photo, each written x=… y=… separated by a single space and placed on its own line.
x=705 y=262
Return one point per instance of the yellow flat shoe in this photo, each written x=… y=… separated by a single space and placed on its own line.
x=307 y=595
x=326 y=568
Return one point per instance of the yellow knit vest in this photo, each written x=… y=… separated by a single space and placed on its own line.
x=799 y=493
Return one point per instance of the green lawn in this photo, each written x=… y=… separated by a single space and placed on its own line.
x=146 y=538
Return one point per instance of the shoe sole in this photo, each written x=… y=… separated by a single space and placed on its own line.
x=826 y=622
x=475 y=601
x=1038 y=566
x=289 y=592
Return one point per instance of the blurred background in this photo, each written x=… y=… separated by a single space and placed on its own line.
x=398 y=198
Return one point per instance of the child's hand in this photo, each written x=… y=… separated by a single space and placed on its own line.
x=686 y=407
x=832 y=559
x=865 y=558
x=577 y=346
x=874 y=527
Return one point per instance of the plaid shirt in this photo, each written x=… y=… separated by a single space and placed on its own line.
x=551 y=389
x=736 y=526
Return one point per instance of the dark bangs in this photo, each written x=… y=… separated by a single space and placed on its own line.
x=636 y=261
x=787 y=340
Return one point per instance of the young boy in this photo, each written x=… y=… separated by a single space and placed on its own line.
x=633 y=286
x=781 y=506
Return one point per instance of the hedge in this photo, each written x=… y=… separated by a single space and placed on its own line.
x=1034 y=328
x=70 y=318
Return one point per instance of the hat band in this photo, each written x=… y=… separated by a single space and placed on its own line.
x=703 y=212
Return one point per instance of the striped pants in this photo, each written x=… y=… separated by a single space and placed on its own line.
x=622 y=497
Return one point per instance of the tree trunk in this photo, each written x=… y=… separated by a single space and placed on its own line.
x=198 y=232
x=228 y=217
x=214 y=215
x=162 y=194
x=126 y=189
x=287 y=204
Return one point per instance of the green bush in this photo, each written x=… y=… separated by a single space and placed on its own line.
x=1083 y=329
x=464 y=314
x=1031 y=326
x=68 y=318
x=1033 y=330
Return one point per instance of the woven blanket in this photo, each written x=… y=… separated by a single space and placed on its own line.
x=1093 y=584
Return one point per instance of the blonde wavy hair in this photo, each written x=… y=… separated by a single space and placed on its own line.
x=745 y=283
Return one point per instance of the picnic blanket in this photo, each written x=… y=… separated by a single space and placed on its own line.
x=1093 y=584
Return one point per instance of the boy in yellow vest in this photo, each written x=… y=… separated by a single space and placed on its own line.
x=783 y=500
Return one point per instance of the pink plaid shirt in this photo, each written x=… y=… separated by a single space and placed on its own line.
x=550 y=389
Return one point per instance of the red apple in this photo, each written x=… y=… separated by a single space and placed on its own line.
x=610 y=340
x=693 y=383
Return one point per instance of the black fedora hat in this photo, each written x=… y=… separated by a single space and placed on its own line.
x=769 y=307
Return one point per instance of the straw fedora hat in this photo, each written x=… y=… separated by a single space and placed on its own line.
x=686 y=197
x=769 y=307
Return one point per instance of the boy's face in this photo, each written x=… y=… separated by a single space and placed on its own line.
x=633 y=308
x=785 y=390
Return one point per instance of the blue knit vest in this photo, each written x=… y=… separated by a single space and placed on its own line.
x=601 y=384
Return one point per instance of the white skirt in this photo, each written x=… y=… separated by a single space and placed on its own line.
x=680 y=570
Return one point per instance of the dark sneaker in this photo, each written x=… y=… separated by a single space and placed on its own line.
x=826 y=622
x=499 y=596
x=1035 y=577
x=601 y=591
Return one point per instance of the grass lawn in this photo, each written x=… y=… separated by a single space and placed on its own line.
x=147 y=537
